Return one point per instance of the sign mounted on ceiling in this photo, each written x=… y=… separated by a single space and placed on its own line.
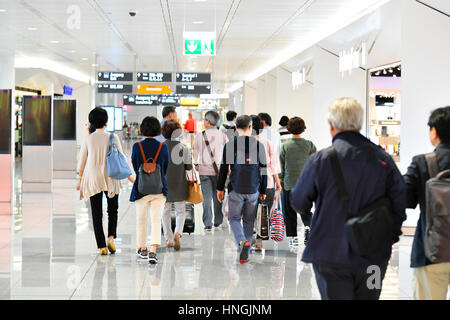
x=353 y=59
x=199 y=43
x=115 y=88
x=154 y=77
x=153 y=89
x=193 y=77
x=115 y=76
x=140 y=100
x=298 y=78
x=188 y=89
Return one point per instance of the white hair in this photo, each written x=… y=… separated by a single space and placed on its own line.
x=346 y=114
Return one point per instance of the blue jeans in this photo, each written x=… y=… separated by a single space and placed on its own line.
x=242 y=207
x=209 y=186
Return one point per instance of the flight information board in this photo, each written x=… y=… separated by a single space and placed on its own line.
x=191 y=89
x=115 y=76
x=154 y=77
x=115 y=88
x=141 y=100
x=193 y=77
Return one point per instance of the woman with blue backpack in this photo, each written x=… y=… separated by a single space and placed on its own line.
x=95 y=180
x=150 y=159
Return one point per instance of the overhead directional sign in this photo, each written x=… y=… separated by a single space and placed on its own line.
x=199 y=47
x=115 y=76
x=153 y=89
x=140 y=100
x=193 y=77
x=154 y=77
x=169 y=99
x=115 y=88
x=190 y=89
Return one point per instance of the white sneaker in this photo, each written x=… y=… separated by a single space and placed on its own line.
x=293 y=242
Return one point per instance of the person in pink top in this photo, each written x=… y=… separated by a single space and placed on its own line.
x=273 y=168
x=208 y=149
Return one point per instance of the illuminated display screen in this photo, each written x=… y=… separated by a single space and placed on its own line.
x=37 y=120
x=65 y=117
x=141 y=100
x=118 y=119
x=111 y=114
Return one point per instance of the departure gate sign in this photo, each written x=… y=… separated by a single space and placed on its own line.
x=154 y=77
x=115 y=88
x=190 y=89
x=115 y=76
x=140 y=100
x=185 y=77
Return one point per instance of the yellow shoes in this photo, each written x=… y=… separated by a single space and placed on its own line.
x=111 y=247
x=103 y=252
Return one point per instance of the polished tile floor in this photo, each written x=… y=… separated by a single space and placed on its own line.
x=48 y=251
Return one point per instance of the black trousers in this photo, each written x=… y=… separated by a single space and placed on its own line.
x=97 y=217
x=349 y=284
x=290 y=216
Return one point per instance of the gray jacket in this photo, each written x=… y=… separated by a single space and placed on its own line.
x=180 y=160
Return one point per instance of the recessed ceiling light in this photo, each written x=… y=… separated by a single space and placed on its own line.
x=54 y=41
x=2 y=10
x=32 y=28
x=94 y=65
x=72 y=51
x=84 y=59
x=198 y=22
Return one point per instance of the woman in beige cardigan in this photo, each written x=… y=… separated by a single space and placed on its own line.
x=94 y=180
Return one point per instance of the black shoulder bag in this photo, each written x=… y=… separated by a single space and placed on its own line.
x=371 y=227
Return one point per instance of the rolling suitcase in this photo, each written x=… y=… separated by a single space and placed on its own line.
x=189 y=223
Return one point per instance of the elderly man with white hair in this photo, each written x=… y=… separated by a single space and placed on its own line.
x=354 y=178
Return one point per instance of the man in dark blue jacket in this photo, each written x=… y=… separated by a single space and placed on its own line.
x=430 y=280
x=245 y=158
x=369 y=174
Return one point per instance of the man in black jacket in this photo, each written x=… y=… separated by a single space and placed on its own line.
x=245 y=157
x=430 y=281
x=369 y=174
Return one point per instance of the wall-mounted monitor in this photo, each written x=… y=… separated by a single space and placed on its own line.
x=154 y=77
x=111 y=114
x=5 y=121
x=115 y=76
x=193 y=89
x=193 y=77
x=115 y=88
x=118 y=119
x=64 y=119
x=37 y=120
x=141 y=100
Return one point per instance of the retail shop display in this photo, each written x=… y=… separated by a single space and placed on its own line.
x=64 y=115
x=37 y=120
x=5 y=121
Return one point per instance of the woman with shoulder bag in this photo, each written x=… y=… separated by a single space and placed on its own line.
x=150 y=160
x=94 y=179
x=178 y=186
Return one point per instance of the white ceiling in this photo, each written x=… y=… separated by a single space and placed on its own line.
x=251 y=34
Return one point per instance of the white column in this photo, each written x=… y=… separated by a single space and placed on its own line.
x=7 y=81
x=328 y=86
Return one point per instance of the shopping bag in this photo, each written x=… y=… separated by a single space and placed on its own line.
x=195 y=191
x=262 y=221
x=277 y=228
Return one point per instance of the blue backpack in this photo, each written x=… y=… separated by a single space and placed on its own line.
x=117 y=164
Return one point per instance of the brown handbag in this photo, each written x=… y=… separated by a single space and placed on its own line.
x=149 y=167
x=195 y=191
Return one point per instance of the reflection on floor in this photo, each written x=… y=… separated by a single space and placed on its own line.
x=48 y=251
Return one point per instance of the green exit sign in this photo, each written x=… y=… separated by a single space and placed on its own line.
x=195 y=47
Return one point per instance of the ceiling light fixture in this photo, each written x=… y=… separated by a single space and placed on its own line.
x=84 y=59
x=390 y=70
x=32 y=28
x=198 y=22
x=2 y=10
x=384 y=71
x=54 y=41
